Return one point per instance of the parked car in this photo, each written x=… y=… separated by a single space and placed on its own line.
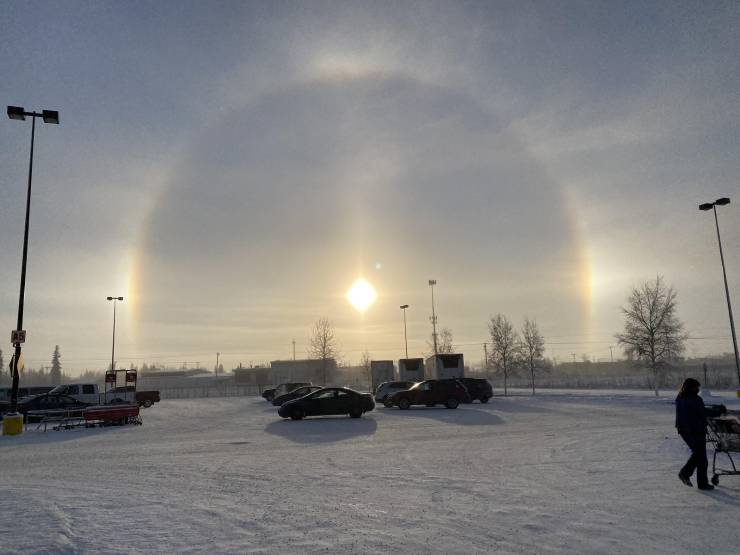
x=284 y=388
x=386 y=389
x=268 y=393
x=129 y=393
x=449 y=393
x=478 y=388
x=24 y=391
x=50 y=402
x=295 y=394
x=328 y=400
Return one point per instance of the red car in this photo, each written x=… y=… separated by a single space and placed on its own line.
x=449 y=393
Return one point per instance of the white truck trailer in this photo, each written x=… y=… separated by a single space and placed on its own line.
x=442 y=367
x=411 y=370
x=381 y=371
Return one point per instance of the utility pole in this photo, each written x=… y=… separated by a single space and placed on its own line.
x=217 y=355
x=611 y=351
x=485 y=357
x=294 y=348
x=432 y=283
x=405 y=336
x=574 y=357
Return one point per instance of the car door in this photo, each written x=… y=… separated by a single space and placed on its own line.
x=343 y=402
x=317 y=403
x=424 y=394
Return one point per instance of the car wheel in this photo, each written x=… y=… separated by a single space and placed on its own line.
x=452 y=403
x=404 y=404
x=355 y=413
x=147 y=403
x=297 y=414
x=484 y=399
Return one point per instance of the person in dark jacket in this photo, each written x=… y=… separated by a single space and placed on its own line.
x=692 y=427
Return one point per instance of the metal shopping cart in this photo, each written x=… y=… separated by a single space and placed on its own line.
x=724 y=433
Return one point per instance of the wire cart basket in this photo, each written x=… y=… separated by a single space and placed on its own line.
x=724 y=433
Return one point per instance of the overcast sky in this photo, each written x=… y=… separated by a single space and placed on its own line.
x=231 y=168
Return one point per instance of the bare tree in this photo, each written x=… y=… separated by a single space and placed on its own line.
x=322 y=345
x=653 y=334
x=532 y=347
x=445 y=345
x=504 y=346
x=366 y=368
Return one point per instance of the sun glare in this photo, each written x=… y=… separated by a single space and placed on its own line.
x=361 y=295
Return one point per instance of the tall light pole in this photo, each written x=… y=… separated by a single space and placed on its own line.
x=432 y=283
x=19 y=336
x=113 y=350
x=405 y=337
x=713 y=206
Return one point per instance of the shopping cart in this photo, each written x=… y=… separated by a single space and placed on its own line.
x=724 y=433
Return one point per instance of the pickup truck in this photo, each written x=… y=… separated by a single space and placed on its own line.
x=143 y=398
x=90 y=393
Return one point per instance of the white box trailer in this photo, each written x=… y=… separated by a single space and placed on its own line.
x=381 y=371
x=411 y=370
x=442 y=367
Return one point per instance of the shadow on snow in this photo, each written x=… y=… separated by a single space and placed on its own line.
x=322 y=429
x=464 y=415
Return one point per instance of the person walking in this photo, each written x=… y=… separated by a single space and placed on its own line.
x=692 y=427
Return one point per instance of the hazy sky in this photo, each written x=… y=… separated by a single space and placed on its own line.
x=230 y=168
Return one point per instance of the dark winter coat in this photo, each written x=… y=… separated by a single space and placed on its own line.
x=691 y=415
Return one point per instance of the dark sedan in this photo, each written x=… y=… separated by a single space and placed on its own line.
x=329 y=400
x=48 y=402
x=295 y=394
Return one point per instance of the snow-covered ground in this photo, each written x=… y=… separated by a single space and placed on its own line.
x=579 y=472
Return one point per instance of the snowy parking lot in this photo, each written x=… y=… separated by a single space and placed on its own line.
x=563 y=473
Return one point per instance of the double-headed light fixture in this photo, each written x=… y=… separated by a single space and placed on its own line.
x=20 y=114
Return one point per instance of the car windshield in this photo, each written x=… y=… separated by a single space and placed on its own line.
x=58 y=390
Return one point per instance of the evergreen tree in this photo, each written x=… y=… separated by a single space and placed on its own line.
x=56 y=367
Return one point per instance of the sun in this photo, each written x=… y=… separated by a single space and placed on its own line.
x=361 y=295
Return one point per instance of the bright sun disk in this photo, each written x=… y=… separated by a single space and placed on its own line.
x=361 y=295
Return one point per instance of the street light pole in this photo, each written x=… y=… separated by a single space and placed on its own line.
x=432 y=283
x=49 y=116
x=713 y=205
x=405 y=336
x=113 y=349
